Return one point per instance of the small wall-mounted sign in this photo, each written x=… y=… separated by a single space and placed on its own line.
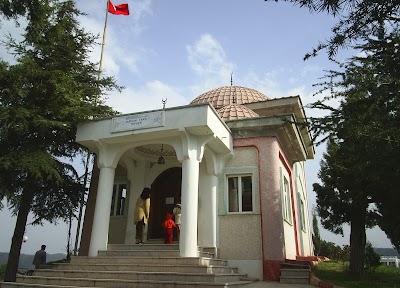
x=169 y=200
x=137 y=121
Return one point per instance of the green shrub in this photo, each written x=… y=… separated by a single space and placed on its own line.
x=371 y=258
x=345 y=254
x=2 y=271
x=332 y=251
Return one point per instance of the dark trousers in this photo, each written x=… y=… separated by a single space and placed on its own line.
x=140 y=231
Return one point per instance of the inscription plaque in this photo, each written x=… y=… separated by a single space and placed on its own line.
x=137 y=121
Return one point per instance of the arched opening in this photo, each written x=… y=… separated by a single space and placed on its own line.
x=165 y=193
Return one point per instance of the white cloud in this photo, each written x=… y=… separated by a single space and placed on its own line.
x=148 y=97
x=111 y=63
x=119 y=54
x=267 y=84
x=208 y=60
x=140 y=10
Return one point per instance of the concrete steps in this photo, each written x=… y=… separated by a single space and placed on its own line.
x=149 y=267
x=137 y=275
x=292 y=273
x=147 y=260
x=147 y=250
x=147 y=246
x=115 y=283
x=137 y=266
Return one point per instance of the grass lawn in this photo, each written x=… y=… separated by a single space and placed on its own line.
x=335 y=272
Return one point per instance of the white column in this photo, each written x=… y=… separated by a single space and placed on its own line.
x=101 y=220
x=189 y=201
x=136 y=187
x=208 y=210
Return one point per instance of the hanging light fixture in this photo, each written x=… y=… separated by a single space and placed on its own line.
x=24 y=238
x=161 y=159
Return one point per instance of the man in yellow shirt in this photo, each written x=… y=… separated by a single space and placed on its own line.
x=141 y=214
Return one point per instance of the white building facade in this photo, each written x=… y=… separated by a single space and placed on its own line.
x=234 y=158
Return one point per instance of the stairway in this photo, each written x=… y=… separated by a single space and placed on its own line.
x=137 y=266
x=295 y=273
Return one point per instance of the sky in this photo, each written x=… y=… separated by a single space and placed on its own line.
x=179 y=49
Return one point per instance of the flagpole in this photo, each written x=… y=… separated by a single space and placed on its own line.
x=78 y=229
x=104 y=39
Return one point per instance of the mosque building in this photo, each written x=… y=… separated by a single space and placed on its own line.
x=235 y=160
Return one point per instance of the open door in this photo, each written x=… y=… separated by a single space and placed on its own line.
x=165 y=193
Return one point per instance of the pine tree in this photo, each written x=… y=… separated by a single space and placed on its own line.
x=360 y=168
x=52 y=87
x=361 y=164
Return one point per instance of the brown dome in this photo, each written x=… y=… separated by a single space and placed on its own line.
x=222 y=96
x=236 y=111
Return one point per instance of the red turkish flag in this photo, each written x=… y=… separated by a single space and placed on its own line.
x=121 y=9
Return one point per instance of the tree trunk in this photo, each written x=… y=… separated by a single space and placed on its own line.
x=357 y=239
x=69 y=235
x=15 y=249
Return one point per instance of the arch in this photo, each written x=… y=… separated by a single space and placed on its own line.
x=165 y=193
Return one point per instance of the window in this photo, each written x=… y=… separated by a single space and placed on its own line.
x=240 y=193
x=301 y=213
x=118 y=200
x=286 y=201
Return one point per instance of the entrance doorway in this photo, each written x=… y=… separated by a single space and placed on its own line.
x=165 y=193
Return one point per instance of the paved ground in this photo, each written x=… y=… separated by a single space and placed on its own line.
x=261 y=284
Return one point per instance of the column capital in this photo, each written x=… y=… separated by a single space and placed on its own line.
x=215 y=162
x=108 y=155
x=192 y=146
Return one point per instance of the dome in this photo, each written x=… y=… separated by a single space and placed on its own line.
x=236 y=111
x=222 y=96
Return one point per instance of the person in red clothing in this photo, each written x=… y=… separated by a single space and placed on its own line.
x=168 y=226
